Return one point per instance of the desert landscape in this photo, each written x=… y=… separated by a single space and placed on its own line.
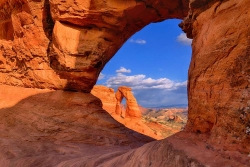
x=53 y=114
x=157 y=123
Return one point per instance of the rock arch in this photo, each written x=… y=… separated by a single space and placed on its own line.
x=72 y=43
x=218 y=88
x=132 y=108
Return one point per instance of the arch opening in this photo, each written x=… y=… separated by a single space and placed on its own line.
x=154 y=64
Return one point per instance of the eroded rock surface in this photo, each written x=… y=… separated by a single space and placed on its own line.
x=112 y=101
x=114 y=106
x=219 y=74
x=68 y=47
x=47 y=128
x=25 y=32
x=132 y=108
x=182 y=149
x=41 y=127
x=107 y=96
x=65 y=44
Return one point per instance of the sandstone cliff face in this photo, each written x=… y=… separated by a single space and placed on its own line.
x=65 y=44
x=107 y=96
x=219 y=74
x=25 y=28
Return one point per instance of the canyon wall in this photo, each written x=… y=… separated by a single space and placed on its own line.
x=219 y=74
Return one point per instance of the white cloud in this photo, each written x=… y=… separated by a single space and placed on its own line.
x=138 y=41
x=123 y=70
x=151 y=92
x=182 y=38
x=141 y=82
x=101 y=76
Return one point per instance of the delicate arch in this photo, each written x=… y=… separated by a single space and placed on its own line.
x=132 y=108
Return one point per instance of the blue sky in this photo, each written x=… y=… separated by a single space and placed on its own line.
x=154 y=63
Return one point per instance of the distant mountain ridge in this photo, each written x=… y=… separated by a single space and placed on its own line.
x=167 y=106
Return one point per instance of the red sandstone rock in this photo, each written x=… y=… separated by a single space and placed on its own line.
x=57 y=128
x=110 y=104
x=64 y=44
x=112 y=101
x=132 y=108
x=107 y=96
x=219 y=74
x=33 y=54
x=47 y=127
x=181 y=149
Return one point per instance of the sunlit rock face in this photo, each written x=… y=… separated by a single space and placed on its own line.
x=107 y=96
x=25 y=28
x=132 y=107
x=65 y=44
x=219 y=74
x=111 y=101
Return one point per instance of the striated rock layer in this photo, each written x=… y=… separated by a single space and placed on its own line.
x=219 y=74
x=41 y=127
x=48 y=128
